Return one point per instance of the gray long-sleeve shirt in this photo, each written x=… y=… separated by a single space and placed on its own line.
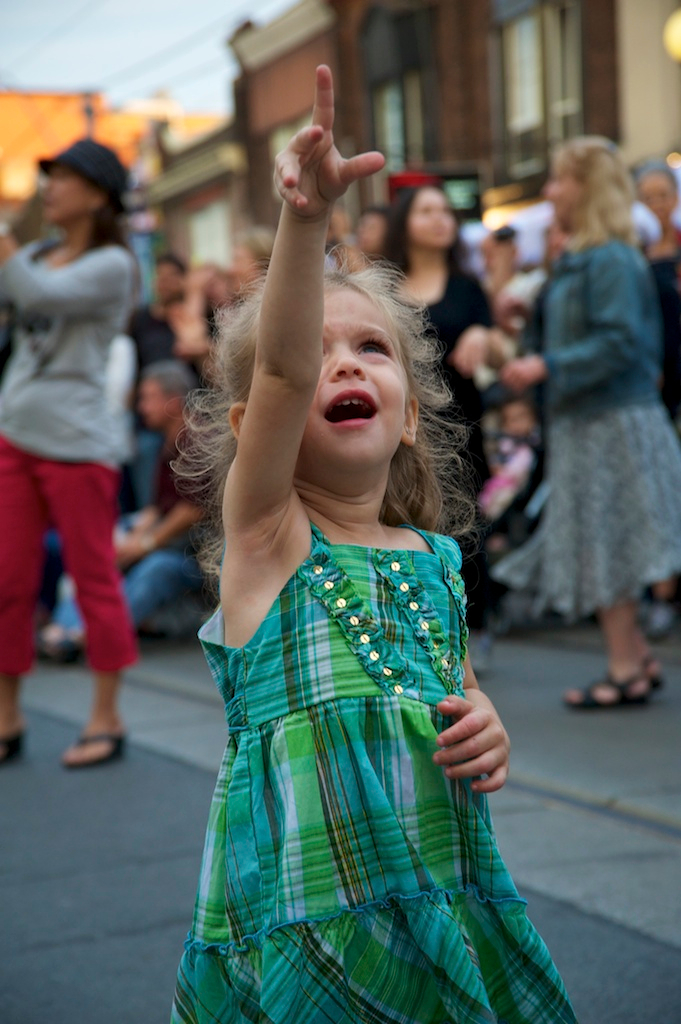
x=52 y=402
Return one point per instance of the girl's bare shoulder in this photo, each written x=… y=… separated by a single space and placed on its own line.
x=406 y=539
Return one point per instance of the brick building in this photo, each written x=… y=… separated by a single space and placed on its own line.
x=477 y=91
x=272 y=95
x=199 y=189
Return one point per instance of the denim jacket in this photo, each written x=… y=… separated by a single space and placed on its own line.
x=602 y=331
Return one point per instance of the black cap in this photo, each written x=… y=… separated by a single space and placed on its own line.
x=98 y=164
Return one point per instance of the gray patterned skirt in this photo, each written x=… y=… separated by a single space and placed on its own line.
x=612 y=522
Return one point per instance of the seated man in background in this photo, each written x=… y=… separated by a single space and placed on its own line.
x=153 y=545
x=154 y=336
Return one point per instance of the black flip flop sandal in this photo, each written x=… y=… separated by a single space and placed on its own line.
x=64 y=651
x=13 y=746
x=116 y=752
x=589 y=702
x=656 y=681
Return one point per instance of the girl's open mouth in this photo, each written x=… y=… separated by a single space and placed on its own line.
x=350 y=408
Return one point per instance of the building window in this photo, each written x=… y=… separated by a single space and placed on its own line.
x=523 y=61
x=413 y=117
x=398 y=121
x=210 y=232
x=388 y=107
x=564 y=71
x=398 y=57
x=542 y=77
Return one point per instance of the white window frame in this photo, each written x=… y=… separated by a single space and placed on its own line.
x=542 y=73
x=413 y=116
x=388 y=108
x=210 y=233
x=523 y=58
x=562 y=29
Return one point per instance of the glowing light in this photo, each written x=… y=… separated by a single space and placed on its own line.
x=671 y=36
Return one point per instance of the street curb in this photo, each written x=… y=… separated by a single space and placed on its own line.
x=656 y=821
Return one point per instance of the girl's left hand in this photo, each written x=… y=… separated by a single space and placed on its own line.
x=477 y=745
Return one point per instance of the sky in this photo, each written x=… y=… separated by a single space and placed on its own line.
x=128 y=49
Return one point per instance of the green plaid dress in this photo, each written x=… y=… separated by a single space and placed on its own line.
x=345 y=879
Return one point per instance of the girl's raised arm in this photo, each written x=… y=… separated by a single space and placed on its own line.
x=310 y=175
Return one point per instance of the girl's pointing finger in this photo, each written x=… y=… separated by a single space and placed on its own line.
x=323 y=109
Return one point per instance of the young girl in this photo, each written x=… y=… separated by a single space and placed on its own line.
x=350 y=872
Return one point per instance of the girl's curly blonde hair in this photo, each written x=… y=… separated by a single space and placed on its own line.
x=428 y=484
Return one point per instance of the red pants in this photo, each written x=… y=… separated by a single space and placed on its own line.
x=79 y=500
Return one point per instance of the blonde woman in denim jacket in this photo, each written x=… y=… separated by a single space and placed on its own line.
x=612 y=524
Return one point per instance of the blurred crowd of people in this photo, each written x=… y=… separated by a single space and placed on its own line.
x=548 y=364
x=590 y=333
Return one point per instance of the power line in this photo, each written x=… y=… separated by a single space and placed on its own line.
x=189 y=42
x=149 y=63
x=162 y=56
x=138 y=68
x=198 y=71
x=58 y=32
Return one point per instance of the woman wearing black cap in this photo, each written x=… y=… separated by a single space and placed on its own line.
x=57 y=446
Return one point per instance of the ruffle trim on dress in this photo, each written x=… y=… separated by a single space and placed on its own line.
x=258 y=939
x=424 y=958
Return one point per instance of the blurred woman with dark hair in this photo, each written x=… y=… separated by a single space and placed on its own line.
x=58 y=457
x=423 y=240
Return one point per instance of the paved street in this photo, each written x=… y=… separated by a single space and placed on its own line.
x=98 y=868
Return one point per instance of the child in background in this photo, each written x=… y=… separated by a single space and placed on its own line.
x=350 y=870
x=512 y=458
x=371 y=231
